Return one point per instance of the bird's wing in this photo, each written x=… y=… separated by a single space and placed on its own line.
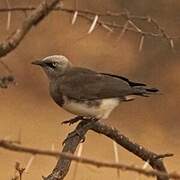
x=131 y=83
x=84 y=84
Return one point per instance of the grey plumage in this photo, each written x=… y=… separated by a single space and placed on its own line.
x=89 y=85
x=85 y=92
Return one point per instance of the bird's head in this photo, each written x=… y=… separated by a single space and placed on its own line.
x=54 y=66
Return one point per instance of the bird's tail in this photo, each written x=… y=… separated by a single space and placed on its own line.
x=144 y=91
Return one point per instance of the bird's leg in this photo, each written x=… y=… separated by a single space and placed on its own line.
x=77 y=132
x=78 y=118
x=73 y=120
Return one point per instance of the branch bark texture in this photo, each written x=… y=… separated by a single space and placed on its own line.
x=71 y=143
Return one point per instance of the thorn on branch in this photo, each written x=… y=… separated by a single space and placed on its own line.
x=9 y=16
x=134 y=26
x=124 y=29
x=161 y=156
x=171 y=43
x=107 y=27
x=74 y=17
x=93 y=24
x=29 y=163
x=141 y=43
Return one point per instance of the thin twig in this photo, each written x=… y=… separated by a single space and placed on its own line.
x=19 y=170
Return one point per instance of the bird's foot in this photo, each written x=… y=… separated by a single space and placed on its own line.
x=72 y=135
x=77 y=132
x=78 y=118
x=73 y=120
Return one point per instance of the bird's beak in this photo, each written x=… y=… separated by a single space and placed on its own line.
x=38 y=62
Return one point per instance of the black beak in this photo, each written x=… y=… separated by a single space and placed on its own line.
x=38 y=62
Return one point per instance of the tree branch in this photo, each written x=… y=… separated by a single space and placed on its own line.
x=33 y=19
x=14 y=147
x=130 y=18
x=10 y=145
x=72 y=141
x=151 y=173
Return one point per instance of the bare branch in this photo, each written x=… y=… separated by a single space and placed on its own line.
x=87 y=14
x=135 y=148
x=72 y=141
x=14 y=147
x=33 y=19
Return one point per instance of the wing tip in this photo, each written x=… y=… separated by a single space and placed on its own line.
x=153 y=90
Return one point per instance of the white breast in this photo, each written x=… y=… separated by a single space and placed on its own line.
x=101 y=111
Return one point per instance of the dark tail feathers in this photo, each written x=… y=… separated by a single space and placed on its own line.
x=144 y=91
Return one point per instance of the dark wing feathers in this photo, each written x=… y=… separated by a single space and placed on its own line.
x=125 y=79
x=139 y=88
x=84 y=84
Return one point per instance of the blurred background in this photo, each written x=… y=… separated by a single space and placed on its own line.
x=27 y=110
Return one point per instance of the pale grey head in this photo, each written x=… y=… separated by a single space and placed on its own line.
x=54 y=66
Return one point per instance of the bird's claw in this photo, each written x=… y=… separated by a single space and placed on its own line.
x=78 y=118
x=72 y=121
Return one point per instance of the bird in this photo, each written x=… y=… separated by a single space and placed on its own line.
x=85 y=92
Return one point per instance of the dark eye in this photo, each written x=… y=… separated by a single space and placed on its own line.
x=51 y=64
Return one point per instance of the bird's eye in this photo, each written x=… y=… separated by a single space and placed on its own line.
x=51 y=64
